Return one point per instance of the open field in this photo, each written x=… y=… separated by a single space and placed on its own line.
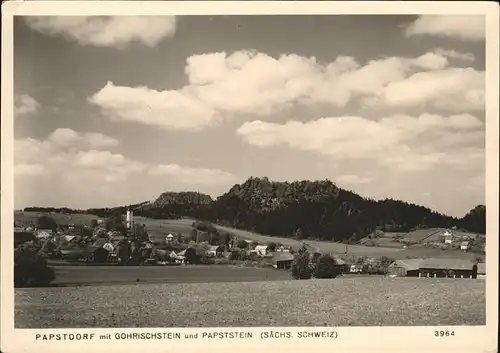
x=339 y=302
x=99 y=275
x=63 y=219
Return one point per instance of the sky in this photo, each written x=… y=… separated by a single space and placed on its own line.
x=116 y=110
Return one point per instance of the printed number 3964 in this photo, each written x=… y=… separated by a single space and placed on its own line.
x=444 y=333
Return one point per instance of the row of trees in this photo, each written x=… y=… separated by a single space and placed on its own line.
x=320 y=266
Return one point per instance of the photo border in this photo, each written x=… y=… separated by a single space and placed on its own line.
x=374 y=339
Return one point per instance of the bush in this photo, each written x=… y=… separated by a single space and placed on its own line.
x=46 y=222
x=31 y=270
x=300 y=268
x=326 y=267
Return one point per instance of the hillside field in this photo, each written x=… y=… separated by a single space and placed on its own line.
x=367 y=301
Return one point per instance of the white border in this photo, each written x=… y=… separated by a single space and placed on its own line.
x=373 y=339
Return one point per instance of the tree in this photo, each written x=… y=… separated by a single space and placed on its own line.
x=301 y=268
x=30 y=269
x=93 y=223
x=298 y=234
x=46 y=222
x=242 y=244
x=191 y=256
x=115 y=222
x=326 y=267
x=272 y=247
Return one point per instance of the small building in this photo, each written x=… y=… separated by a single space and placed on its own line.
x=341 y=264
x=215 y=250
x=481 y=270
x=464 y=246
x=261 y=250
x=448 y=268
x=95 y=254
x=282 y=260
x=356 y=268
x=405 y=268
x=69 y=238
x=169 y=238
x=44 y=233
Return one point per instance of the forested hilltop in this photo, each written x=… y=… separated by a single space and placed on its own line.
x=300 y=209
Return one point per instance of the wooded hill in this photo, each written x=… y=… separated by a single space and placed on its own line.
x=300 y=209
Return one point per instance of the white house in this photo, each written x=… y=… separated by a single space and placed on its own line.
x=448 y=236
x=44 y=233
x=261 y=250
x=465 y=246
x=109 y=247
x=169 y=238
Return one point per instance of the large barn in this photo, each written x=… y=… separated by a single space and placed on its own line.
x=451 y=268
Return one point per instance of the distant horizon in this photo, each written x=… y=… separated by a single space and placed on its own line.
x=214 y=198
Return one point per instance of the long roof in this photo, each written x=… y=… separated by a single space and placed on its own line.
x=408 y=264
x=447 y=264
x=282 y=256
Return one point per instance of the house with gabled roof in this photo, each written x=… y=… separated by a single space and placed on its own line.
x=405 y=268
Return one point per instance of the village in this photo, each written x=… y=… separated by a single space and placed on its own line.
x=133 y=244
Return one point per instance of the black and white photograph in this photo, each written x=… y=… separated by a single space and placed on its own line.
x=246 y=171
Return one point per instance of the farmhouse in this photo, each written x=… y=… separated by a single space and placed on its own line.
x=261 y=250
x=481 y=270
x=282 y=260
x=215 y=250
x=441 y=267
x=95 y=254
x=44 y=233
x=405 y=268
x=341 y=264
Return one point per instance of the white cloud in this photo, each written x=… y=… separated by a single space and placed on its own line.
x=247 y=82
x=177 y=110
x=400 y=141
x=194 y=176
x=453 y=89
x=453 y=54
x=106 y=31
x=65 y=137
x=25 y=105
x=467 y=27
x=352 y=179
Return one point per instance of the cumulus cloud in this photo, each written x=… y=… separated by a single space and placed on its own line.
x=352 y=179
x=25 y=105
x=454 y=89
x=222 y=85
x=65 y=137
x=453 y=54
x=106 y=31
x=65 y=153
x=402 y=142
x=177 y=110
x=467 y=27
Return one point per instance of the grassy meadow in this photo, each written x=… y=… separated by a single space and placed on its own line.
x=365 y=301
